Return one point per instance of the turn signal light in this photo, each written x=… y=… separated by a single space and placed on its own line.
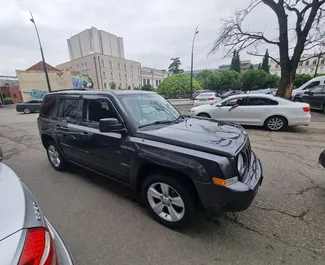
x=220 y=182
x=306 y=109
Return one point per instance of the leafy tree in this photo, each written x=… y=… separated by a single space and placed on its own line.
x=259 y=66
x=265 y=63
x=254 y=79
x=307 y=18
x=272 y=81
x=112 y=85
x=174 y=66
x=177 y=86
x=228 y=80
x=235 y=62
x=146 y=87
x=251 y=67
x=207 y=79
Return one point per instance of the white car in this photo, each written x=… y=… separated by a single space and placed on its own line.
x=206 y=98
x=269 y=111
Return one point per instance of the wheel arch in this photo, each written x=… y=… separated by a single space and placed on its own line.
x=205 y=113
x=277 y=115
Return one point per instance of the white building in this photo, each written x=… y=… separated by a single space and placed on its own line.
x=95 y=41
x=153 y=77
x=305 y=67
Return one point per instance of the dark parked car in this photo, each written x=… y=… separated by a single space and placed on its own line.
x=175 y=164
x=231 y=93
x=29 y=106
x=26 y=236
x=315 y=98
x=322 y=159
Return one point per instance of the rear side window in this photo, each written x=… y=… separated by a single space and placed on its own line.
x=48 y=106
x=261 y=102
x=70 y=108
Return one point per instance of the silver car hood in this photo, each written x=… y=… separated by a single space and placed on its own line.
x=18 y=208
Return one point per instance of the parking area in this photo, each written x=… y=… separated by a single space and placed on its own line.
x=102 y=225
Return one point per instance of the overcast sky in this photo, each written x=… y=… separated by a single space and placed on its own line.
x=153 y=30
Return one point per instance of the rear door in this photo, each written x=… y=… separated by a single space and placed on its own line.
x=256 y=108
x=316 y=97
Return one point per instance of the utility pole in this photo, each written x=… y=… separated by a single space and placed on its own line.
x=40 y=45
x=191 y=85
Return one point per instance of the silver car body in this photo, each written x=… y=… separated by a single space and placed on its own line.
x=206 y=98
x=19 y=211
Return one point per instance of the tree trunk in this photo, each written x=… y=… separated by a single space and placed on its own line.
x=286 y=84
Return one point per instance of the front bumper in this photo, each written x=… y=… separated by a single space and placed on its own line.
x=235 y=197
x=63 y=254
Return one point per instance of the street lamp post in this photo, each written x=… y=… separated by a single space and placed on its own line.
x=40 y=45
x=191 y=85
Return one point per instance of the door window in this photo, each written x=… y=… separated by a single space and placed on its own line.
x=234 y=101
x=70 y=109
x=318 y=90
x=96 y=109
x=48 y=106
x=257 y=101
x=313 y=84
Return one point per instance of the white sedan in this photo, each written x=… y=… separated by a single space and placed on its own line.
x=269 y=111
x=206 y=98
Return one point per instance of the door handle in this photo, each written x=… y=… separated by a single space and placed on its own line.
x=61 y=127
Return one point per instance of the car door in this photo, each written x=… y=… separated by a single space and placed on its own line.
x=68 y=112
x=314 y=97
x=255 y=109
x=104 y=152
x=230 y=110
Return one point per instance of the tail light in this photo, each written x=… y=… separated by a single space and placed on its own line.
x=38 y=248
x=211 y=98
x=306 y=109
x=196 y=99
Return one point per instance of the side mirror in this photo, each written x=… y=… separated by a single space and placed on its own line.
x=1 y=154
x=110 y=125
x=219 y=105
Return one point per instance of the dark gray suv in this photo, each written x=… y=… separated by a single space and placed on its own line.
x=174 y=164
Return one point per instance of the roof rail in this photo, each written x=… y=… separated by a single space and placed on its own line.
x=70 y=89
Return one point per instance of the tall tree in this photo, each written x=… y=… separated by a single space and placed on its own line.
x=259 y=66
x=235 y=62
x=174 y=66
x=265 y=63
x=251 y=67
x=308 y=17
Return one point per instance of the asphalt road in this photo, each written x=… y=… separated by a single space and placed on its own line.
x=101 y=225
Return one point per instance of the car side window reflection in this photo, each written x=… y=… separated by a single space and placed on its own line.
x=232 y=102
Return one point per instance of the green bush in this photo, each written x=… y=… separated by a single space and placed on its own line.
x=228 y=80
x=147 y=88
x=301 y=79
x=177 y=86
x=8 y=100
x=259 y=79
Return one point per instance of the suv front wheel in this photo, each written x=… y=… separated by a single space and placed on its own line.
x=168 y=201
x=55 y=157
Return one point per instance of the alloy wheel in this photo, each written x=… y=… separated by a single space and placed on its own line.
x=27 y=111
x=275 y=124
x=166 y=202
x=54 y=156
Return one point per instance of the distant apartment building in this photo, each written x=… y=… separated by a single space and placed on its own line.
x=153 y=77
x=244 y=66
x=305 y=67
x=9 y=88
x=92 y=41
x=32 y=81
x=103 y=69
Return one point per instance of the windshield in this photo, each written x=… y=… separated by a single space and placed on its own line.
x=149 y=108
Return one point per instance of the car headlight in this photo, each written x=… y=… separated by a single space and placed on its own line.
x=241 y=166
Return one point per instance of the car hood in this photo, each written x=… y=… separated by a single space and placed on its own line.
x=205 y=135
x=16 y=204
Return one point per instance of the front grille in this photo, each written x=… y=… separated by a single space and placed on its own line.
x=246 y=153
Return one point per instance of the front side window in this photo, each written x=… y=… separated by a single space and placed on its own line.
x=318 y=90
x=313 y=84
x=96 y=109
x=149 y=108
x=256 y=101
x=69 y=108
x=233 y=102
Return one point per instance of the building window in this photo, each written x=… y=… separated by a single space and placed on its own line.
x=314 y=62
x=300 y=64
x=131 y=68
x=104 y=75
x=157 y=83
x=322 y=61
x=119 y=66
x=86 y=66
x=102 y=62
x=126 y=77
x=119 y=76
x=111 y=75
x=124 y=67
x=148 y=81
x=105 y=86
x=144 y=81
x=307 y=63
x=82 y=66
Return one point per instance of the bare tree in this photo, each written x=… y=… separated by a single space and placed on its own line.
x=309 y=35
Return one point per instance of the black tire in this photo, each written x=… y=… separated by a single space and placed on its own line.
x=324 y=109
x=204 y=115
x=281 y=121
x=297 y=99
x=62 y=163
x=188 y=212
x=27 y=110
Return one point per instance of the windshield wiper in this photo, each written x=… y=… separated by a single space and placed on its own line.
x=156 y=122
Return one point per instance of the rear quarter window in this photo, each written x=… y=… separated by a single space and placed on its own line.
x=48 y=105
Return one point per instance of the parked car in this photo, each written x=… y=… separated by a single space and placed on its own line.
x=298 y=96
x=231 y=93
x=197 y=92
x=322 y=159
x=320 y=80
x=315 y=98
x=29 y=106
x=175 y=164
x=206 y=98
x=271 y=91
x=272 y=112
x=26 y=236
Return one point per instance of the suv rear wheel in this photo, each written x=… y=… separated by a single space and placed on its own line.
x=168 y=201
x=55 y=157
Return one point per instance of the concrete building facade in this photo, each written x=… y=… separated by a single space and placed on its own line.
x=244 y=66
x=153 y=77
x=104 y=69
x=305 y=67
x=92 y=41
x=32 y=81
